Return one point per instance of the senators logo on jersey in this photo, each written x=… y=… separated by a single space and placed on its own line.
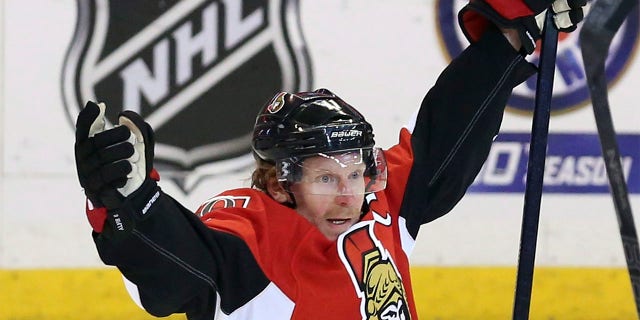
x=197 y=70
x=374 y=275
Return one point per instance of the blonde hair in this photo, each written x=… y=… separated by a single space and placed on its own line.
x=263 y=174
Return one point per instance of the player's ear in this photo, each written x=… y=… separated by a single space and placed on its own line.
x=277 y=192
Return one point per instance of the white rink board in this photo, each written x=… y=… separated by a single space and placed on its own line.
x=381 y=56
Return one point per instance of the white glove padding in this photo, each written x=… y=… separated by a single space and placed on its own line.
x=138 y=162
x=566 y=14
x=98 y=125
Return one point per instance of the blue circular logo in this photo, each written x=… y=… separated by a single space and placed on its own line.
x=570 y=83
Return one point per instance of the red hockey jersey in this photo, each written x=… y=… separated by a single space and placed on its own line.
x=361 y=276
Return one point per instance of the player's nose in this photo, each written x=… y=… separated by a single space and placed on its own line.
x=346 y=195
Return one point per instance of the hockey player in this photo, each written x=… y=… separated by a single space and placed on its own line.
x=326 y=230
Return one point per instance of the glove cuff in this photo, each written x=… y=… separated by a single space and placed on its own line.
x=139 y=203
x=121 y=221
x=512 y=10
x=97 y=216
x=477 y=16
x=473 y=24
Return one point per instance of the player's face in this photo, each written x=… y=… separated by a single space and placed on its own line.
x=330 y=193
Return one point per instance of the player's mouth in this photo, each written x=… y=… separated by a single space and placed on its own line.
x=338 y=222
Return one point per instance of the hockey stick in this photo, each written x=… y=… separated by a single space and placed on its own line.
x=535 y=169
x=600 y=26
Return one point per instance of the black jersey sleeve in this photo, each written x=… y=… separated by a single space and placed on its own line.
x=456 y=124
x=179 y=265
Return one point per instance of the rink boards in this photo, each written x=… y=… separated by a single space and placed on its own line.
x=441 y=293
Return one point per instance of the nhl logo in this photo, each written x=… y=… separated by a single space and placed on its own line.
x=198 y=71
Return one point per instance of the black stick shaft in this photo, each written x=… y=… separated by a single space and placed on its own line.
x=601 y=25
x=617 y=185
x=535 y=170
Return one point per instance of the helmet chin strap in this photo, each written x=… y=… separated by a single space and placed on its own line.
x=291 y=204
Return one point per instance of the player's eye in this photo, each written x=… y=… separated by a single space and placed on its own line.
x=355 y=175
x=325 y=178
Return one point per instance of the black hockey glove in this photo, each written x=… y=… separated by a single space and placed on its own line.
x=526 y=16
x=115 y=166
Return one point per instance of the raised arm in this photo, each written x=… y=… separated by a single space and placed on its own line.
x=460 y=116
x=457 y=121
x=175 y=262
